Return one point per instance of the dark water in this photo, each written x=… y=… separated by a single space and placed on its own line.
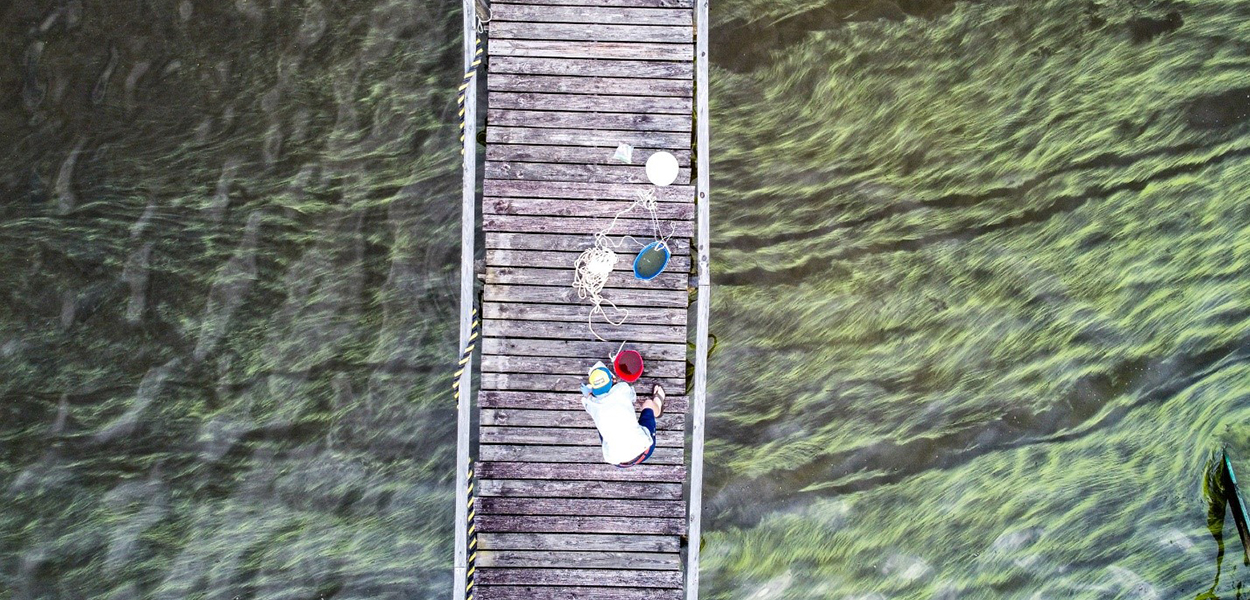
x=980 y=298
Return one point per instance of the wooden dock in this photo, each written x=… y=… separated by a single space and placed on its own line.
x=567 y=81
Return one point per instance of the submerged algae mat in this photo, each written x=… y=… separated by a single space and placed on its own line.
x=230 y=245
x=982 y=299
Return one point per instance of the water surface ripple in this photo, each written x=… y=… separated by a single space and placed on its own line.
x=981 y=298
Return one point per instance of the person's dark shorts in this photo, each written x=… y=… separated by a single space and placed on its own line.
x=646 y=419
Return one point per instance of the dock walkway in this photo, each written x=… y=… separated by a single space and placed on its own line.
x=567 y=81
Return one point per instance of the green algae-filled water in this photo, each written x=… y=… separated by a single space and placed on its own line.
x=981 y=297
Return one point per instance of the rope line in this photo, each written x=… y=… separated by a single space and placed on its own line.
x=461 y=365
x=594 y=265
x=468 y=79
x=468 y=574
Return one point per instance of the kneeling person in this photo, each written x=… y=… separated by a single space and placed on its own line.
x=626 y=441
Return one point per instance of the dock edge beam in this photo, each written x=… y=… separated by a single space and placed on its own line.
x=702 y=303
x=467 y=243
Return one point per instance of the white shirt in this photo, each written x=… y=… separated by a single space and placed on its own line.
x=623 y=438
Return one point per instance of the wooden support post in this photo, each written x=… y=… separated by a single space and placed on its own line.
x=467 y=277
x=702 y=307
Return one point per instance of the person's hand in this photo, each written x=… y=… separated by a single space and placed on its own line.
x=585 y=391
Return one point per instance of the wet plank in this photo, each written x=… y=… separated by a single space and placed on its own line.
x=521 y=417
x=579 y=49
x=564 y=260
x=580 y=577
x=592 y=30
x=579 y=559
x=566 y=437
x=589 y=542
x=541 y=488
x=526 y=65
x=591 y=14
x=580 y=524
x=589 y=191
x=571 y=312
x=601 y=103
x=588 y=226
x=568 y=454
x=588 y=120
x=582 y=156
x=558 y=401
x=591 y=472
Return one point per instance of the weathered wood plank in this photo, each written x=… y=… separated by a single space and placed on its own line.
x=542 y=382
x=591 y=472
x=521 y=417
x=580 y=577
x=607 y=138
x=586 y=542
x=583 y=506
x=571 y=454
x=547 y=172
x=578 y=349
x=556 y=84
x=555 y=330
x=538 y=259
x=566 y=295
x=589 y=120
x=575 y=155
x=520 y=592
x=606 y=209
x=548 y=488
x=583 y=156
x=590 y=191
x=580 y=524
x=641 y=315
x=565 y=260
x=609 y=50
x=669 y=280
x=527 y=65
x=567 y=437
x=558 y=401
x=631 y=3
x=579 y=559
x=528 y=224
x=592 y=32
x=591 y=14
x=702 y=309
x=678 y=105
x=556 y=242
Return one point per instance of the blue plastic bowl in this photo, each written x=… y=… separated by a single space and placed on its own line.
x=651 y=261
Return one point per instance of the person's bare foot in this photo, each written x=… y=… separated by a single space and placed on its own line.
x=656 y=401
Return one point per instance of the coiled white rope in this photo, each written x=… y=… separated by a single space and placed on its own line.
x=593 y=266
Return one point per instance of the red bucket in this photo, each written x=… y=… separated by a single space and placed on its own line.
x=628 y=365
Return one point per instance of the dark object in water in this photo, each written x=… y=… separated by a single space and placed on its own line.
x=651 y=261
x=1145 y=29
x=1238 y=506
